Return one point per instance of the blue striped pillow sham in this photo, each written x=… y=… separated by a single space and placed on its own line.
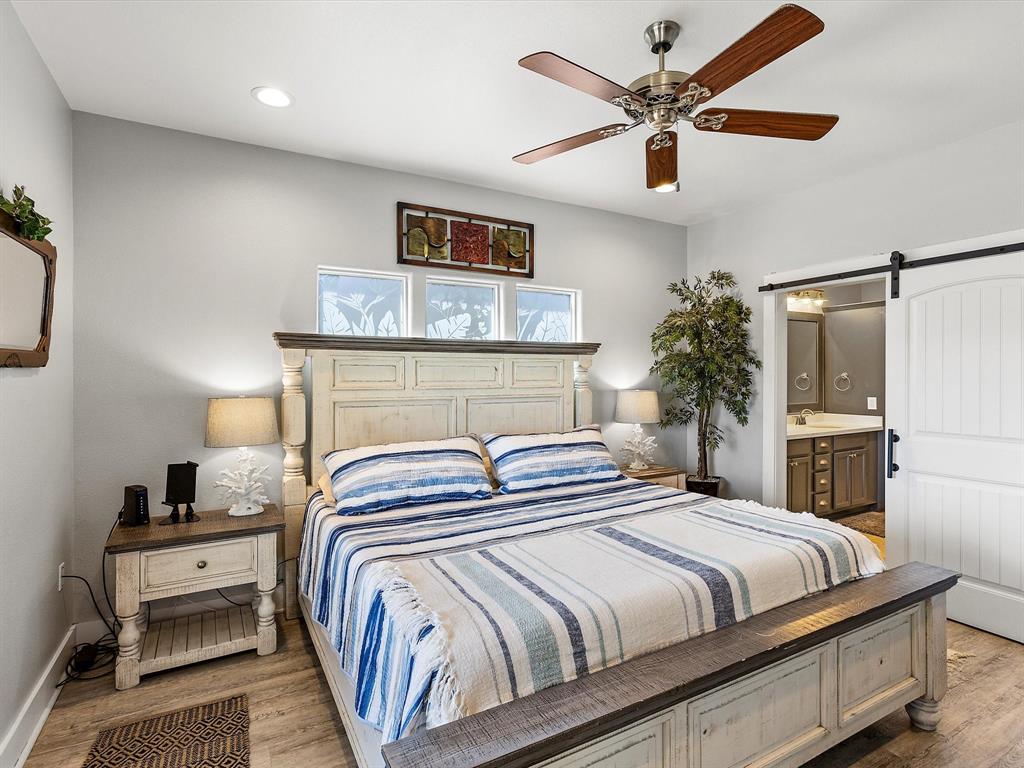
x=380 y=477
x=531 y=462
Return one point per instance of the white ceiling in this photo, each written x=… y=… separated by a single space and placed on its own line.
x=433 y=87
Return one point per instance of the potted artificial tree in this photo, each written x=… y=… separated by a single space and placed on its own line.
x=703 y=356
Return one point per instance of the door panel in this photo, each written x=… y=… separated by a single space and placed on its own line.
x=955 y=341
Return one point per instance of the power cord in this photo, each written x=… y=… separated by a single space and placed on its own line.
x=97 y=657
x=240 y=605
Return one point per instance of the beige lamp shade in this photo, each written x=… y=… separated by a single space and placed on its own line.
x=233 y=422
x=637 y=406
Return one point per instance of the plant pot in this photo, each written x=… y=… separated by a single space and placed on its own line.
x=710 y=487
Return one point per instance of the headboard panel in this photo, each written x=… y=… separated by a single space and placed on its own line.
x=368 y=391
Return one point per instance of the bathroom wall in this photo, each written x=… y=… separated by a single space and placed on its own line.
x=855 y=344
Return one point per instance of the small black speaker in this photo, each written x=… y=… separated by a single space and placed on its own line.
x=136 y=506
x=181 y=489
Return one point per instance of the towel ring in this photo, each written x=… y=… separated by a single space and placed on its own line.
x=844 y=376
x=802 y=377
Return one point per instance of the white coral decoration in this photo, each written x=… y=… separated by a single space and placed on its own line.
x=639 y=449
x=244 y=486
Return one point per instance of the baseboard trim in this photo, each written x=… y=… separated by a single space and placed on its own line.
x=22 y=735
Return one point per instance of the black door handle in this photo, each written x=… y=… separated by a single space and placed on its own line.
x=892 y=467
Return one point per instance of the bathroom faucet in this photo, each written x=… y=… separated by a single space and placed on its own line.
x=801 y=419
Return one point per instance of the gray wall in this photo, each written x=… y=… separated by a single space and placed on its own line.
x=193 y=251
x=966 y=189
x=855 y=345
x=36 y=437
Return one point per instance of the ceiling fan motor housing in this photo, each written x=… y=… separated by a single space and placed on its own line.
x=661 y=35
x=658 y=88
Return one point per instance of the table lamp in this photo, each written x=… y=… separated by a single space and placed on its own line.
x=238 y=422
x=638 y=407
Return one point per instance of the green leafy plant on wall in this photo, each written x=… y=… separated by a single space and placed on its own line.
x=22 y=208
x=703 y=356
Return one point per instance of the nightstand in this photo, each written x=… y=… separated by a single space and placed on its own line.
x=672 y=477
x=156 y=561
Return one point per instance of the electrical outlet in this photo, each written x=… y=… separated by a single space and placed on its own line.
x=872 y=403
x=60 y=577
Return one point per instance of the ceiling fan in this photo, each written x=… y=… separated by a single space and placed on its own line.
x=663 y=98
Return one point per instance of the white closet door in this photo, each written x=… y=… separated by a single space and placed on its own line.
x=955 y=387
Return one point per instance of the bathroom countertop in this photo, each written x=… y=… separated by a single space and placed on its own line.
x=828 y=424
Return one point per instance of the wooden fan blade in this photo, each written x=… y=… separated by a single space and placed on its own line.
x=564 y=71
x=755 y=122
x=787 y=28
x=579 y=140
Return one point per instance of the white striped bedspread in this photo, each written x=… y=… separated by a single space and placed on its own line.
x=444 y=610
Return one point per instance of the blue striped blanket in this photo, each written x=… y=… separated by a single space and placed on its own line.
x=443 y=610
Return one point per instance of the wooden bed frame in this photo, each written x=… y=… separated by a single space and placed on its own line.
x=772 y=691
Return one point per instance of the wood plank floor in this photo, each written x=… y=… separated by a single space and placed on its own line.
x=294 y=722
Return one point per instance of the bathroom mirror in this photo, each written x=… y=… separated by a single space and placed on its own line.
x=27 y=273
x=805 y=348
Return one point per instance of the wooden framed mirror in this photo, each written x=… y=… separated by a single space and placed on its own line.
x=806 y=362
x=28 y=271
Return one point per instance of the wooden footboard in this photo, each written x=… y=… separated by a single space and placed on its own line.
x=772 y=691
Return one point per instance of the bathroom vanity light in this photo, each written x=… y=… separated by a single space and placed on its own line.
x=814 y=296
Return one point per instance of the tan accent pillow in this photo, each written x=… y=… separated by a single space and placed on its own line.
x=325 y=485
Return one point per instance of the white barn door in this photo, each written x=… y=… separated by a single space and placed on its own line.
x=955 y=398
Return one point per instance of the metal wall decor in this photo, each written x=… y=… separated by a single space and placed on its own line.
x=438 y=237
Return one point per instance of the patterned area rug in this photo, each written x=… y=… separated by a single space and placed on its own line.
x=865 y=522
x=208 y=736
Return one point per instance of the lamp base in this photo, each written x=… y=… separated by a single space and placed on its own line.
x=242 y=508
x=639 y=449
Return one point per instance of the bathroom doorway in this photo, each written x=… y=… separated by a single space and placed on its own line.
x=835 y=404
x=951 y=408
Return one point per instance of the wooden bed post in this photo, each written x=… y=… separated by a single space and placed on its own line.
x=924 y=712
x=584 y=398
x=293 y=480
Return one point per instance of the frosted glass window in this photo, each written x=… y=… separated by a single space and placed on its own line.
x=461 y=310
x=351 y=303
x=545 y=315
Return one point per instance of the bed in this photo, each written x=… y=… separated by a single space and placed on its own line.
x=783 y=638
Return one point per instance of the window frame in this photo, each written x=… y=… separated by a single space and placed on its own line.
x=498 y=317
x=575 y=311
x=404 y=326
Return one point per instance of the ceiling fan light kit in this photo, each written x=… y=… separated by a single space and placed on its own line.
x=662 y=99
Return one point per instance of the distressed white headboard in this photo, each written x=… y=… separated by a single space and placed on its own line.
x=368 y=391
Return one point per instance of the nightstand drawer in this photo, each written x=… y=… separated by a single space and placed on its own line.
x=179 y=570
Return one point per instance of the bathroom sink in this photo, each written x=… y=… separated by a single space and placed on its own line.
x=812 y=429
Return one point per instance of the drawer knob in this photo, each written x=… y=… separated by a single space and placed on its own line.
x=823 y=481
x=201 y=564
x=822 y=503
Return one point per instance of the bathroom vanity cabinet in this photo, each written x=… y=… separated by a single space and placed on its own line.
x=832 y=474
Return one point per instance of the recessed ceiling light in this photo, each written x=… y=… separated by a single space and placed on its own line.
x=670 y=187
x=271 y=97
